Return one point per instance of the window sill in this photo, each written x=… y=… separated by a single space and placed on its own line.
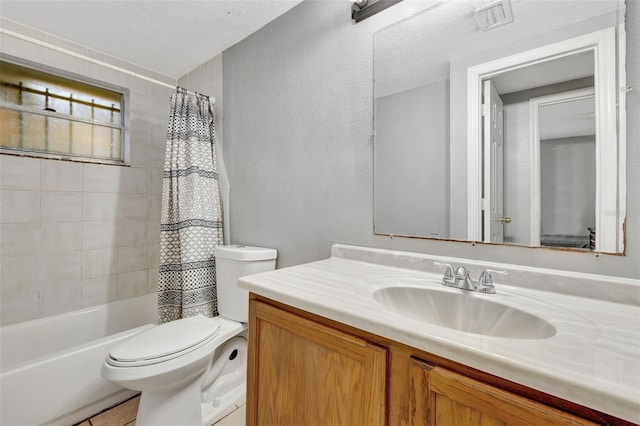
x=62 y=157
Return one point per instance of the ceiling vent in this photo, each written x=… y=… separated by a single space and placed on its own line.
x=493 y=15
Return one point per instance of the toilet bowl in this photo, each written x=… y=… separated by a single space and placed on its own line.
x=193 y=371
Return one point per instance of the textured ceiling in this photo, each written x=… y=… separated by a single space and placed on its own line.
x=414 y=52
x=170 y=37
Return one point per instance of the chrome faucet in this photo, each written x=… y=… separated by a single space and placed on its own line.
x=460 y=278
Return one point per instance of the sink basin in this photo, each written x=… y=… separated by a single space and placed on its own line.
x=463 y=310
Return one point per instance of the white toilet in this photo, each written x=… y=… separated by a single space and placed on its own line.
x=193 y=371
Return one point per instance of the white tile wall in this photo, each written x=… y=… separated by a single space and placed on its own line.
x=139 y=153
x=61 y=176
x=100 y=206
x=132 y=258
x=99 y=290
x=155 y=206
x=132 y=232
x=18 y=272
x=99 y=234
x=153 y=232
x=19 y=239
x=63 y=61
x=152 y=280
x=134 y=180
x=65 y=44
x=133 y=206
x=156 y=156
x=55 y=270
x=19 y=206
x=80 y=234
x=132 y=284
x=27 y=50
x=21 y=305
x=20 y=172
x=155 y=180
x=98 y=262
x=65 y=297
x=153 y=256
x=61 y=206
x=102 y=178
x=61 y=237
x=139 y=105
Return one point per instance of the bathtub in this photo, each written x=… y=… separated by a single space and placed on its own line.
x=50 y=367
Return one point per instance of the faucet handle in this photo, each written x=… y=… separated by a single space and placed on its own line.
x=485 y=276
x=448 y=273
x=461 y=272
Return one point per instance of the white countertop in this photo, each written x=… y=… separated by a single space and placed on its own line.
x=593 y=359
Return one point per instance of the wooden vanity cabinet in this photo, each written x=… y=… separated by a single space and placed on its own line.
x=308 y=370
x=300 y=371
x=443 y=397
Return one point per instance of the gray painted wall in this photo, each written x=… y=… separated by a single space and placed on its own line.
x=297 y=133
x=567 y=185
x=411 y=182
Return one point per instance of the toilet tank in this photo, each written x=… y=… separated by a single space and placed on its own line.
x=233 y=262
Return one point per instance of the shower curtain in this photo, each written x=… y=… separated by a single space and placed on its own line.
x=191 y=221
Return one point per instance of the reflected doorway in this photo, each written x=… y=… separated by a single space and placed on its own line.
x=538 y=153
x=563 y=169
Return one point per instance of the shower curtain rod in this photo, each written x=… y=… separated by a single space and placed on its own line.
x=212 y=100
x=28 y=39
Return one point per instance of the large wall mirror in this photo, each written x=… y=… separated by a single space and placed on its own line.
x=503 y=122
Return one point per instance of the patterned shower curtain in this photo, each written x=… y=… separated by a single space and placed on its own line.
x=191 y=223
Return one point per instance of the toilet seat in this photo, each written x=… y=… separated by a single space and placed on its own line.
x=164 y=342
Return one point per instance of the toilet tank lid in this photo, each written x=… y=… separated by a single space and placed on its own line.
x=246 y=253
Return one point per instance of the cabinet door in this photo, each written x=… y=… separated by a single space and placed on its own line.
x=304 y=373
x=442 y=397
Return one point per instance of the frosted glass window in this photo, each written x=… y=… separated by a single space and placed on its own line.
x=46 y=113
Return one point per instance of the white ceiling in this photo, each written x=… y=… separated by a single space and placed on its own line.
x=171 y=37
x=566 y=68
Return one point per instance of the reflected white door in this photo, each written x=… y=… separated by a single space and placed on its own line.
x=493 y=204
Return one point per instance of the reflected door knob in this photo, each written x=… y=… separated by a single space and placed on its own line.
x=505 y=220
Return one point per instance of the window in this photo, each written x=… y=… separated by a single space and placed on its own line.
x=51 y=115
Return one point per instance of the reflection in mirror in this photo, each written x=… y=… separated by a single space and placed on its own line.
x=567 y=146
x=542 y=103
x=504 y=136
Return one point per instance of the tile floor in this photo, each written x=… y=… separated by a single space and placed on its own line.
x=125 y=415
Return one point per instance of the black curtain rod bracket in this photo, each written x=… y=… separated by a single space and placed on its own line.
x=363 y=9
